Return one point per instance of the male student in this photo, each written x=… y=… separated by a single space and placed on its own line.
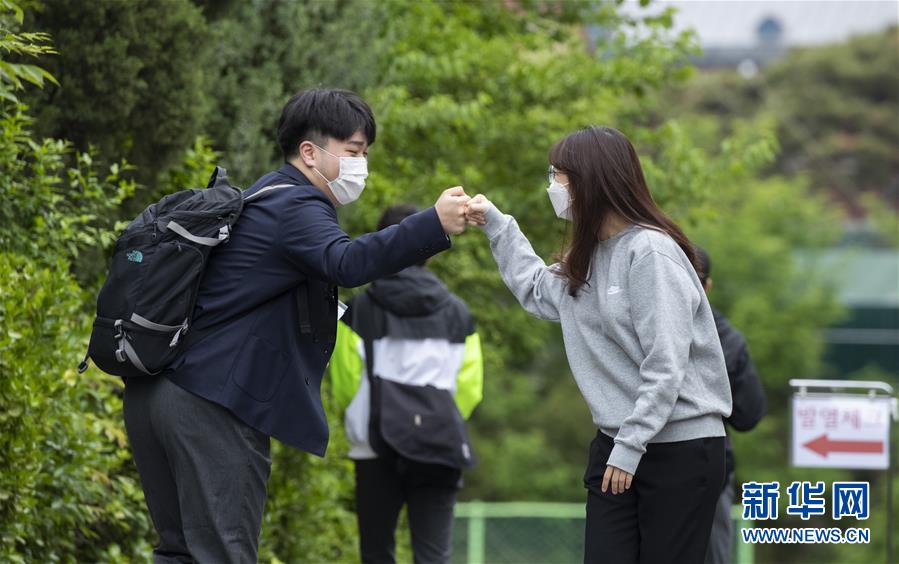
x=266 y=316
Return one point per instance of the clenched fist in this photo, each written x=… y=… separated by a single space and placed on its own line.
x=451 y=208
x=476 y=210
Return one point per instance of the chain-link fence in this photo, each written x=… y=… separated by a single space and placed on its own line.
x=534 y=533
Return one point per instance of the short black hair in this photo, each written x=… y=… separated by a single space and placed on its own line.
x=319 y=113
x=396 y=214
x=705 y=264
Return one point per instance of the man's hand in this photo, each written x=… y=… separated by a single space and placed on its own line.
x=451 y=210
x=476 y=210
x=618 y=478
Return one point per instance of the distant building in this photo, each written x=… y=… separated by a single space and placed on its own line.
x=769 y=45
x=748 y=59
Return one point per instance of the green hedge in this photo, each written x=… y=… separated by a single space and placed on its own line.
x=67 y=491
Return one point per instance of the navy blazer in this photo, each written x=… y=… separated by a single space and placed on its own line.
x=254 y=360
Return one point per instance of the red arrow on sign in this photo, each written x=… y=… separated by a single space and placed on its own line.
x=824 y=446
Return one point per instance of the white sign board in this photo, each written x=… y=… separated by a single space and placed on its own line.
x=841 y=431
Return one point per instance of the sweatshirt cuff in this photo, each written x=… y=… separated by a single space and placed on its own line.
x=625 y=457
x=496 y=221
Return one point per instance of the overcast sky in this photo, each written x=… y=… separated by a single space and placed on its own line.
x=805 y=22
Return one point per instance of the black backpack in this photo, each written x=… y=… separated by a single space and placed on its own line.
x=145 y=307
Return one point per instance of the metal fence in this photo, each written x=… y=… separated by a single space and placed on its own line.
x=535 y=533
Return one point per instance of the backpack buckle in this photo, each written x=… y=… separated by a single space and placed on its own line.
x=177 y=337
x=120 y=339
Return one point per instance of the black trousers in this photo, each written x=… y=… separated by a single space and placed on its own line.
x=203 y=472
x=666 y=515
x=383 y=486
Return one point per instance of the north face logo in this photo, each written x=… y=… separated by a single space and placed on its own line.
x=135 y=256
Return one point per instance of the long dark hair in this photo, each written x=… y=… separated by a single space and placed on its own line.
x=604 y=175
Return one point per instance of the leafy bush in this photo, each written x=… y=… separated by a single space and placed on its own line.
x=67 y=491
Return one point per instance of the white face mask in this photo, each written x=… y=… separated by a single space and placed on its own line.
x=560 y=199
x=350 y=181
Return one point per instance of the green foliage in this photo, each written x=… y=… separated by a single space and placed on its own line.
x=55 y=205
x=687 y=172
x=193 y=171
x=67 y=491
x=267 y=51
x=131 y=78
x=835 y=108
x=13 y=75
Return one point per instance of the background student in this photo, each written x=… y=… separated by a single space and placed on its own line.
x=407 y=439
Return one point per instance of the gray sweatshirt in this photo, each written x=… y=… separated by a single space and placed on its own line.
x=640 y=337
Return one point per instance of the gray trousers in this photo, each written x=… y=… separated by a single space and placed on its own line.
x=721 y=543
x=203 y=473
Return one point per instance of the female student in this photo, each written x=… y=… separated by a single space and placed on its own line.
x=641 y=342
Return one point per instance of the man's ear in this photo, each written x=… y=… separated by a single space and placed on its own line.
x=708 y=284
x=307 y=154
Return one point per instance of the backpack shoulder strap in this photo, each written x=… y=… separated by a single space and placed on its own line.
x=263 y=191
x=363 y=320
x=195 y=336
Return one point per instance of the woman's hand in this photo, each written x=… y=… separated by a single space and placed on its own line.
x=619 y=479
x=476 y=210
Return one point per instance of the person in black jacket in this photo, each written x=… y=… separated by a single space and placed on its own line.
x=749 y=406
x=404 y=407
